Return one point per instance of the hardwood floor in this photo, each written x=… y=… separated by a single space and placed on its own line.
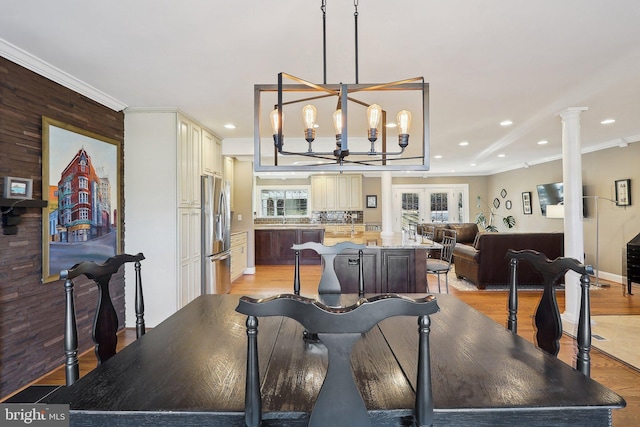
x=623 y=379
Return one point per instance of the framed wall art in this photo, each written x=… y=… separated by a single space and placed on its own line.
x=372 y=201
x=623 y=192
x=526 y=203
x=81 y=181
x=18 y=188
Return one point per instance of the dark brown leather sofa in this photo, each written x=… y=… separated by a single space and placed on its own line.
x=465 y=232
x=484 y=262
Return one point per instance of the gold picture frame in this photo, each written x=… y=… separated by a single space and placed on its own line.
x=81 y=180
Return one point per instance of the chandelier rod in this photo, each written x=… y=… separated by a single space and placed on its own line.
x=324 y=39
x=355 y=18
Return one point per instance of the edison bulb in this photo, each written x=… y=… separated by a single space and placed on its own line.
x=309 y=116
x=374 y=114
x=275 y=125
x=337 y=121
x=404 y=122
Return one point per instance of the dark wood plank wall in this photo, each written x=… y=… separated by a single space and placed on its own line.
x=31 y=313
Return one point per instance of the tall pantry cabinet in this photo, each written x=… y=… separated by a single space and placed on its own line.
x=165 y=155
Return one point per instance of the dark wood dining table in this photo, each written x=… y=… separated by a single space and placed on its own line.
x=190 y=371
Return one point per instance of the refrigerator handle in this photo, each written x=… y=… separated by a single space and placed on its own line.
x=223 y=214
x=221 y=256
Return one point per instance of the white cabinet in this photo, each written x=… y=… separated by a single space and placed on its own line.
x=189 y=144
x=163 y=162
x=238 y=254
x=211 y=154
x=336 y=192
x=189 y=255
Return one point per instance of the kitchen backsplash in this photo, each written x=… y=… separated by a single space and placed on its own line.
x=317 y=217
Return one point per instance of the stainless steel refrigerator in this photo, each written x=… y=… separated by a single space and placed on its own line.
x=216 y=223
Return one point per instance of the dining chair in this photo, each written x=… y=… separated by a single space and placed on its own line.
x=329 y=283
x=443 y=265
x=105 y=322
x=547 y=318
x=339 y=402
x=428 y=232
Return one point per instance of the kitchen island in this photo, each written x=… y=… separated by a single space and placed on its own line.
x=394 y=264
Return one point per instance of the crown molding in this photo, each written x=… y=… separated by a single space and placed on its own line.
x=38 y=66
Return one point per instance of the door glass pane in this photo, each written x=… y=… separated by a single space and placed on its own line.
x=439 y=207
x=460 y=207
x=410 y=209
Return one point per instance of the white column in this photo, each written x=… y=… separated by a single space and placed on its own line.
x=573 y=222
x=386 y=203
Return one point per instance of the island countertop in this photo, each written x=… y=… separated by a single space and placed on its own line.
x=373 y=239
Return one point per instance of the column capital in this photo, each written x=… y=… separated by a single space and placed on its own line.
x=571 y=112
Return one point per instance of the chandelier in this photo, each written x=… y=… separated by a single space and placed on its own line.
x=354 y=107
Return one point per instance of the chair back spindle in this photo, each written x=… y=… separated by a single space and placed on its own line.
x=140 y=326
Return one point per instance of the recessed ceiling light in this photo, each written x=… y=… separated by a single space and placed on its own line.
x=437 y=156
x=230 y=126
x=463 y=143
x=506 y=123
x=502 y=155
x=473 y=164
x=453 y=170
x=607 y=121
x=542 y=142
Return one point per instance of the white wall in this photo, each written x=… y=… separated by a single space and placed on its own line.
x=150 y=211
x=600 y=169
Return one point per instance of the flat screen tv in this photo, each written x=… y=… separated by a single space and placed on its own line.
x=552 y=194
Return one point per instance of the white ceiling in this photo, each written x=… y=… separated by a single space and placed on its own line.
x=486 y=61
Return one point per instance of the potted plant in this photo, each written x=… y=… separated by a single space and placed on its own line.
x=486 y=222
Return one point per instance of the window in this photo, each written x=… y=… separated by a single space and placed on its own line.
x=283 y=202
x=83 y=214
x=83 y=197
x=83 y=182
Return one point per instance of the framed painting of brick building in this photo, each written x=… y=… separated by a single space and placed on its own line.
x=81 y=181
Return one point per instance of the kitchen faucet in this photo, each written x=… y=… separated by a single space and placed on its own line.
x=353 y=227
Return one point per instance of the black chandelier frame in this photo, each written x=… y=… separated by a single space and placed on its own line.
x=339 y=160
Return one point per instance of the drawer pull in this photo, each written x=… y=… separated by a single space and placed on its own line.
x=354 y=261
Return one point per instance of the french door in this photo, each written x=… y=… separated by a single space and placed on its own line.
x=418 y=204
